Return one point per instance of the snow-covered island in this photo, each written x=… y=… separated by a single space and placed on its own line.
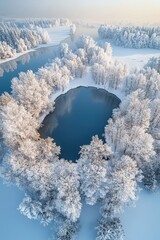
x=107 y=174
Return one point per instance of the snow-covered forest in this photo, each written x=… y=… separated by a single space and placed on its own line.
x=107 y=172
x=18 y=36
x=131 y=36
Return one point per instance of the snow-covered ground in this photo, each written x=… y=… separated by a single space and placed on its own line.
x=134 y=57
x=88 y=221
x=56 y=34
x=143 y=221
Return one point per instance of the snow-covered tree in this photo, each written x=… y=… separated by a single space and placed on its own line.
x=135 y=142
x=131 y=36
x=152 y=90
x=149 y=176
x=72 y=29
x=108 y=49
x=64 y=49
x=154 y=62
x=110 y=229
x=16 y=123
x=92 y=168
x=155 y=114
x=67 y=184
x=56 y=75
x=30 y=208
x=6 y=51
x=109 y=73
x=140 y=145
x=67 y=230
x=146 y=79
x=88 y=44
x=122 y=182
x=74 y=64
x=36 y=100
x=134 y=82
x=135 y=110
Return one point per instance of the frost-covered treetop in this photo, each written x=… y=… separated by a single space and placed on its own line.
x=131 y=36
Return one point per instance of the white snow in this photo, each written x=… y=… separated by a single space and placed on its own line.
x=140 y=222
x=134 y=57
x=56 y=34
x=88 y=221
x=143 y=221
x=85 y=81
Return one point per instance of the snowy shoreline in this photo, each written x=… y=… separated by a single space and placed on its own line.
x=85 y=81
x=57 y=35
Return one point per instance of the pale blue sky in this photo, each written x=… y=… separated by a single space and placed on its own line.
x=97 y=10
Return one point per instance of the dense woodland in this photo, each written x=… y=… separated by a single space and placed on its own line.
x=106 y=172
x=17 y=36
x=131 y=36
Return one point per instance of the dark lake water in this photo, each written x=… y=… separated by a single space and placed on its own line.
x=79 y=114
x=30 y=61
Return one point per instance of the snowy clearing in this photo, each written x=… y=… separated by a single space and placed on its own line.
x=134 y=57
x=56 y=34
x=140 y=222
x=88 y=221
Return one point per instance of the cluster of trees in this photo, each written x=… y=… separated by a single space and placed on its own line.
x=154 y=62
x=15 y=39
x=6 y=51
x=146 y=79
x=105 y=70
x=131 y=36
x=42 y=22
x=107 y=172
x=110 y=229
x=19 y=36
x=110 y=75
x=133 y=135
x=33 y=164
